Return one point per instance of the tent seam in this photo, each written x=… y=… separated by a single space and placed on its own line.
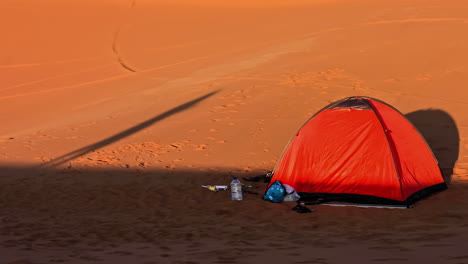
x=390 y=145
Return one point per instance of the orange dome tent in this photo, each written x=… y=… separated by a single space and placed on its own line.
x=362 y=150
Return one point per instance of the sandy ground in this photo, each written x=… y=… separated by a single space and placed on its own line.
x=114 y=113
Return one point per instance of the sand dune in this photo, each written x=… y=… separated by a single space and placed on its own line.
x=114 y=113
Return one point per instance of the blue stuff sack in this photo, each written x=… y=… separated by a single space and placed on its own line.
x=275 y=193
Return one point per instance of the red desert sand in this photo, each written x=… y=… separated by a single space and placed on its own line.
x=114 y=113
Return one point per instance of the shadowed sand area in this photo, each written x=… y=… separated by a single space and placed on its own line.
x=160 y=216
x=114 y=113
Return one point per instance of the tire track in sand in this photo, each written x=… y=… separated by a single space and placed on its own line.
x=112 y=78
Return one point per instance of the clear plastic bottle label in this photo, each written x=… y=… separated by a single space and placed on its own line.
x=236 y=192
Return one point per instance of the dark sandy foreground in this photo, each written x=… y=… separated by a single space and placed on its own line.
x=130 y=216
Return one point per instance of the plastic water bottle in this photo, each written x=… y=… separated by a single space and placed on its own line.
x=236 y=189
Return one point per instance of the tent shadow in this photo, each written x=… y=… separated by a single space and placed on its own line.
x=441 y=133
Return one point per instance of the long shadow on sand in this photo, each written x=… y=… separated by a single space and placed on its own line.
x=441 y=133
x=84 y=150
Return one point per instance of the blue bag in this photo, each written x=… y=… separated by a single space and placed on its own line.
x=275 y=193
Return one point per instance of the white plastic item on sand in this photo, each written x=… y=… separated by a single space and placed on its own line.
x=215 y=188
x=291 y=194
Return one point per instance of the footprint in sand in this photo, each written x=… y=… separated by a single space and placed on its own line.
x=220 y=107
x=201 y=147
x=225 y=108
x=359 y=86
x=170 y=166
x=234 y=100
x=247 y=169
x=460 y=171
x=239 y=91
x=239 y=102
x=176 y=145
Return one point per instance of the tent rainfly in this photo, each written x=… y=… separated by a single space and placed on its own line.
x=359 y=150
